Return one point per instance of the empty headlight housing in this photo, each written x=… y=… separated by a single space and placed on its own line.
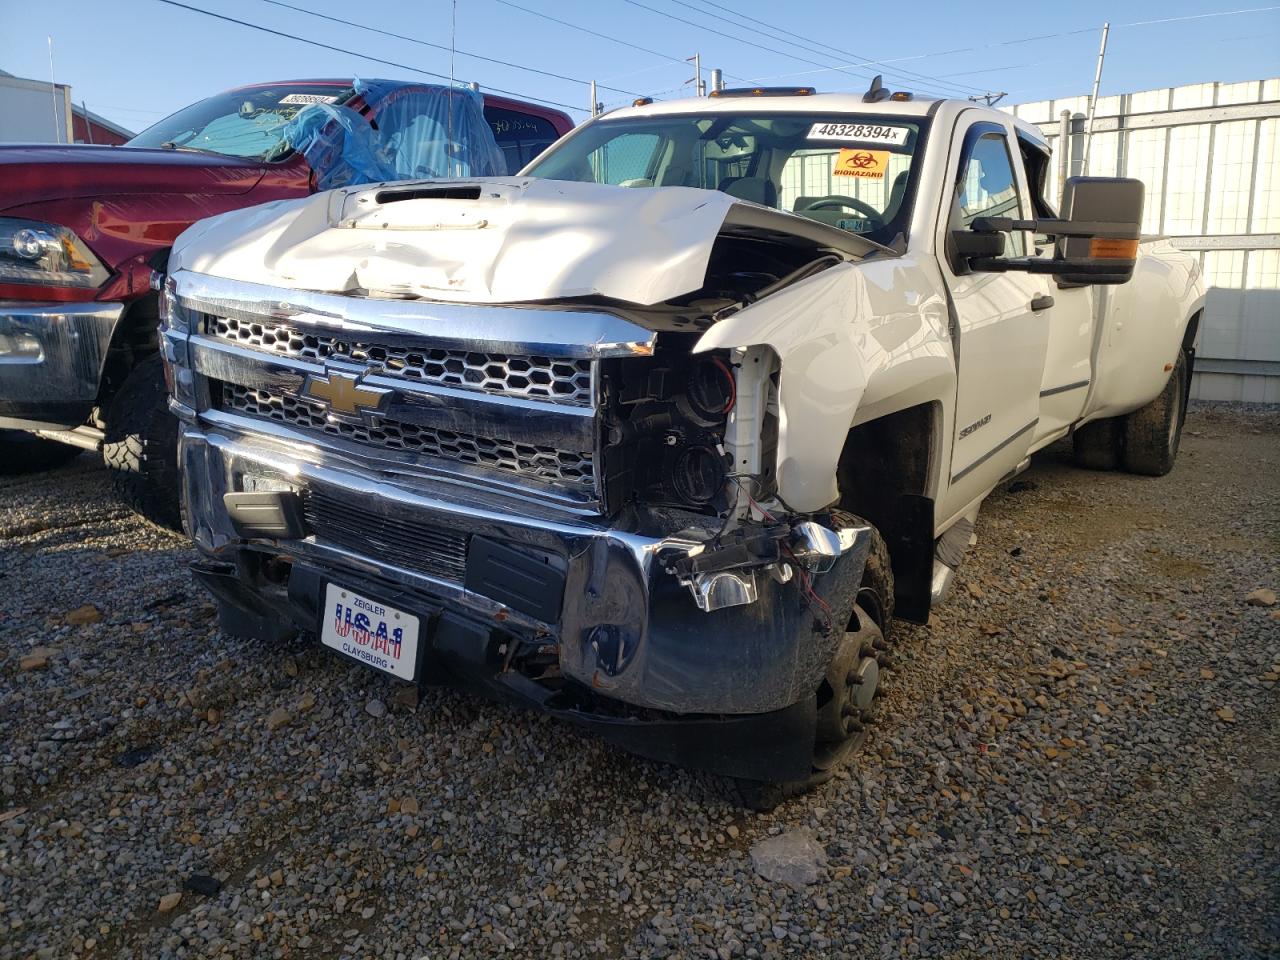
x=46 y=254
x=666 y=417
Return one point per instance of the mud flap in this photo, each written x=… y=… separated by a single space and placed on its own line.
x=910 y=542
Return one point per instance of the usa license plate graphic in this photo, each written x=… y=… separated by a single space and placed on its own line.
x=377 y=635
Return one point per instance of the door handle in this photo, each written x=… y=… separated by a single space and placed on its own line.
x=1041 y=303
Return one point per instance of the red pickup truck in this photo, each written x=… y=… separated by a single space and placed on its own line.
x=82 y=228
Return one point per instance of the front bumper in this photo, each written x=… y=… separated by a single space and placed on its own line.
x=625 y=628
x=51 y=359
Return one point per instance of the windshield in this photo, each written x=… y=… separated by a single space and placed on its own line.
x=854 y=172
x=241 y=123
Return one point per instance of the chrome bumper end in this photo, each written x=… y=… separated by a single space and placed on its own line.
x=51 y=360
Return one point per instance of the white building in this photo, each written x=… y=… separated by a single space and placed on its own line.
x=36 y=111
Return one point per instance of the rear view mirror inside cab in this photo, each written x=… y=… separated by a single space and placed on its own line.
x=1097 y=235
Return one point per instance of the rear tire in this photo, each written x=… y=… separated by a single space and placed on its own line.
x=842 y=731
x=22 y=452
x=1153 y=434
x=141 y=446
x=1096 y=445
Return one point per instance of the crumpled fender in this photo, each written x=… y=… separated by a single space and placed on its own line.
x=857 y=337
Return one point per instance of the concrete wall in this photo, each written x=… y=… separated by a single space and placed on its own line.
x=1209 y=155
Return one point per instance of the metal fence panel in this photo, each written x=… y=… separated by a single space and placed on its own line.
x=1209 y=154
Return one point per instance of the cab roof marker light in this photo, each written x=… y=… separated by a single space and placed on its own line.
x=644 y=101
x=902 y=96
x=764 y=92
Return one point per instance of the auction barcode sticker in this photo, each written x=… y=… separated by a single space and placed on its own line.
x=861 y=132
x=308 y=98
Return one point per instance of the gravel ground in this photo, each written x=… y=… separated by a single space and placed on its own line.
x=1080 y=759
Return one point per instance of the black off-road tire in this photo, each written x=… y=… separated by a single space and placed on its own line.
x=1097 y=445
x=141 y=446
x=875 y=602
x=1153 y=434
x=22 y=452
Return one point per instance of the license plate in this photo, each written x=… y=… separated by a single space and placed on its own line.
x=377 y=635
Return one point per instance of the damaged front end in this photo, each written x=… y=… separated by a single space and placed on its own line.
x=575 y=496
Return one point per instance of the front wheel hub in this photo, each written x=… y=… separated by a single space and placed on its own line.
x=852 y=681
x=866 y=679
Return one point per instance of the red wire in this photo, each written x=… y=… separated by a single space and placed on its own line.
x=733 y=384
x=810 y=592
x=763 y=512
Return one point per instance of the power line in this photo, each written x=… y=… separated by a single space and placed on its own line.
x=352 y=53
x=441 y=46
x=626 y=43
x=1197 y=16
x=750 y=43
x=820 y=48
x=1021 y=40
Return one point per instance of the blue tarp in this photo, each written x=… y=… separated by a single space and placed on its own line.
x=424 y=132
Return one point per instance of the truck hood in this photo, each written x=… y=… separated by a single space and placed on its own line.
x=492 y=240
x=31 y=173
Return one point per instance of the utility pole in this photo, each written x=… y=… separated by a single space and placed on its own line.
x=1064 y=152
x=717 y=80
x=1093 y=101
x=696 y=60
x=595 y=104
x=990 y=99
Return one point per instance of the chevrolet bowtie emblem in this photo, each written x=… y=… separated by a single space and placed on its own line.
x=344 y=393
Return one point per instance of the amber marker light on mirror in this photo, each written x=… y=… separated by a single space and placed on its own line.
x=1105 y=248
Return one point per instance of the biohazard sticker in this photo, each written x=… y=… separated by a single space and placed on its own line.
x=869 y=164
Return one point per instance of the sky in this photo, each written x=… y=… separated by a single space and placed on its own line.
x=136 y=61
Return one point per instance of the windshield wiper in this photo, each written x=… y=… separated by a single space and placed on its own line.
x=170 y=145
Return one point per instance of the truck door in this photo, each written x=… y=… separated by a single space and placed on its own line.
x=1069 y=358
x=1000 y=334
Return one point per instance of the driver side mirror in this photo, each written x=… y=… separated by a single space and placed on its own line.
x=1097 y=236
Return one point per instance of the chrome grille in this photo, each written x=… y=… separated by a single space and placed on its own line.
x=519 y=458
x=405 y=541
x=545 y=378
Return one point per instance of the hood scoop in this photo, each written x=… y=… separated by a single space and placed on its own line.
x=427 y=193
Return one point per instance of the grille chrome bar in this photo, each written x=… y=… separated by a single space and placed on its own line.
x=559 y=425
x=548 y=463
x=559 y=380
x=491 y=395
x=495 y=328
x=405 y=542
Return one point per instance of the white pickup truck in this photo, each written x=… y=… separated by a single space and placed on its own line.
x=661 y=434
